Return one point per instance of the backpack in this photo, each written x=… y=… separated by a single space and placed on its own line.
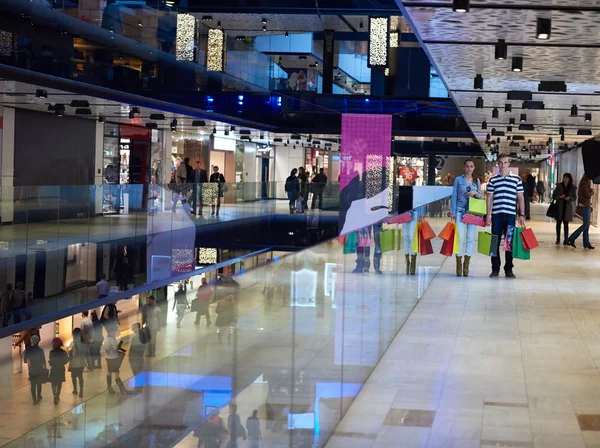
x=145 y=335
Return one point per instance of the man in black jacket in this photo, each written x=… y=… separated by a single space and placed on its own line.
x=199 y=177
x=318 y=187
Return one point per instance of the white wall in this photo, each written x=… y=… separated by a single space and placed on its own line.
x=286 y=158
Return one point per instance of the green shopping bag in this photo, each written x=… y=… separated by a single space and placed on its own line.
x=487 y=243
x=350 y=246
x=518 y=250
x=477 y=207
x=388 y=240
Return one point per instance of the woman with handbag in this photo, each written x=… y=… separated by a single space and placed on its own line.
x=465 y=188
x=565 y=195
x=584 y=204
x=114 y=355
x=35 y=359
x=57 y=359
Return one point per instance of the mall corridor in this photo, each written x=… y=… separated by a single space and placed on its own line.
x=488 y=363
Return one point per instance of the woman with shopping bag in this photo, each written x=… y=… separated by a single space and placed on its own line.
x=411 y=239
x=466 y=187
x=565 y=195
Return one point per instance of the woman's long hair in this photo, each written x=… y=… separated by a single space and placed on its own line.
x=570 y=178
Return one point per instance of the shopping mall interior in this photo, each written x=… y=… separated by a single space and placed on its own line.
x=340 y=224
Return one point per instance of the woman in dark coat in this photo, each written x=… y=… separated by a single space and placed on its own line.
x=57 y=359
x=565 y=195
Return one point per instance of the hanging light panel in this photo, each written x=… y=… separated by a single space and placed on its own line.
x=379 y=35
x=185 y=40
x=215 y=52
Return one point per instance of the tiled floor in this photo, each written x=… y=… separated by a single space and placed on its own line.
x=492 y=362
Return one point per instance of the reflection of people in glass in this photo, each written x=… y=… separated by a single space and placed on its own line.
x=201 y=304
x=180 y=304
x=225 y=318
x=218 y=179
x=199 y=177
x=363 y=249
x=409 y=229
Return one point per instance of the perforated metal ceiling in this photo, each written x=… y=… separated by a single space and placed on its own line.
x=462 y=46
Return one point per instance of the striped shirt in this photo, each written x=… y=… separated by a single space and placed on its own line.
x=505 y=191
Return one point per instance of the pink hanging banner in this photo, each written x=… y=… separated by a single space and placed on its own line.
x=365 y=158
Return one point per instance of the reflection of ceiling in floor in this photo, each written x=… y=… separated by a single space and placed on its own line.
x=462 y=46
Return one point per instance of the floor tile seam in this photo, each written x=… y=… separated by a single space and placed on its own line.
x=583 y=340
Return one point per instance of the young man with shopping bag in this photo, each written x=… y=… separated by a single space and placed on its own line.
x=503 y=190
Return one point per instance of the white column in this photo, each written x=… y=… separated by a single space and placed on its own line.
x=166 y=159
x=7 y=163
x=98 y=167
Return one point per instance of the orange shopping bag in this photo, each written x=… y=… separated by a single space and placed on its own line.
x=447 y=232
x=529 y=239
x=427 y=231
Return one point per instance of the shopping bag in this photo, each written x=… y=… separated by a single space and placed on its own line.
x=427 y=231
x=529 y=239
x=448 y=244
x=486 y=243
x=399 y=219
x=552 y=211
x=477 y=207
x=425 y=247
x=415 y=240
x=447 y=232
x=456 y=245
x=399 y=238
x=519 y=251
x=350 y=246
x=388 y=240
x=508 y=239
x=473 y=219
x=363 y=237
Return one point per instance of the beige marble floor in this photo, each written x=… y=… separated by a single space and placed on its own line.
x=492 y=362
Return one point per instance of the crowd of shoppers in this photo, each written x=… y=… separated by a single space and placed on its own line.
x=190 y=187
x=298 y=187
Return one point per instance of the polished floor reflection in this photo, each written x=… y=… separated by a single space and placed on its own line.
x=308 y=334
x=492 y=362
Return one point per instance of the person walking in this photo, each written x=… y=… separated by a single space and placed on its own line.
x=102 y=287
x=202 y=301
x=292 y=188
x=465 y=187
x=541 y=190
x=253 y=428
x=219 y=191
x=225 y=318
x=584 y=202
x=318 y=185
x=180 y=304
x=531 y=185
x=234 y=424
x=97 y=340
x=527 y=201
x=565 y=195
x=151 y=318
x=57 y=359
x=6 y=303
x=35 y=359
x=87 y=336
x=504 y=190
x=114 y=357
x=199 y=177
x=18 y=303
x=78 y=350
x=303 y=178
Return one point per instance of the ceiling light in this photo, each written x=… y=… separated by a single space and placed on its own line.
x=494 y=132
x=509 y=129
x=495 y=113
x=198 y=123
x=41 y=93
x=226 y=132
x=511 y=120
x=264 y=28
x=360 y=25
x=517 y=64
x=484 y=125
x=588 y=117
x=544 y=27
x=287 y=34
x=562 y=138
x=215 y=130
x=584 y=132
x=139 y=23
x=232 y=128
x=239 y=37
x=157 y=116
x=131 y=115
x=508 y=108
x=174 y=124
x=264 y=21
x=561 y=131
x=100 y=119
x=80 y=103
x=460 y=5
x=501 y=49
x=479 y=103
x=523 y=118
x=219 y=25
x=207 y=18
x=151 y=125
x=574 y=110
x=478 y=82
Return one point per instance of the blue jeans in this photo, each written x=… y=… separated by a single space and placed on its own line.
x=586 y=214
x=465 y=245
x=500 y=223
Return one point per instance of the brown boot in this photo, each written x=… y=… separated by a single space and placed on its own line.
x=413 y=264
x=407 y=263
x=466 y=266
x=459 y=266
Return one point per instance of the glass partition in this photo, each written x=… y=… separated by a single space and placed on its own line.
x=294 y=340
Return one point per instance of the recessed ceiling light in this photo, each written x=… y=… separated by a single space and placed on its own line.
x=511 y=120
x=517 y=64
x=500 y=49
x=544 y=28
x=508 y=107
x=523 y=118
x=574 y=110
x=495 y=113
x=478 y=82
x=479 y=103
x=484 y=125
x=588 y=117
x=207 y=18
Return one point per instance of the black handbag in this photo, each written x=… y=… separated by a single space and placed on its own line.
x=552 y=210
